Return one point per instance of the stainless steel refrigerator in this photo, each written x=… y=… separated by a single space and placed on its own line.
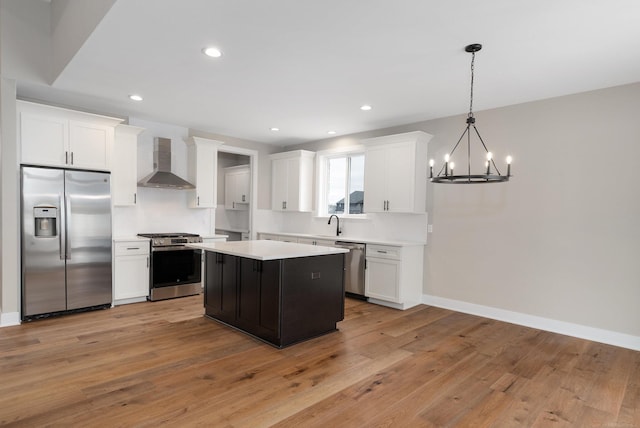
x=66 y=241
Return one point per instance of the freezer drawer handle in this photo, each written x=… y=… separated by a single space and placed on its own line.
x=133 y=248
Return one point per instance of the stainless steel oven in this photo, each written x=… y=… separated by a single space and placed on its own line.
x=175 y=270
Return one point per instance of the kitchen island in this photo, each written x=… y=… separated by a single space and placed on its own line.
x=279 y=292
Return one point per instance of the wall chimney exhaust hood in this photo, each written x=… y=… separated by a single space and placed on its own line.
x=162 y=177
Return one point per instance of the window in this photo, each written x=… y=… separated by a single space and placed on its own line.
x=341 y=184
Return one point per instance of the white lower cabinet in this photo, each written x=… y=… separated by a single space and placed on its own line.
x=393 y=275
x=130 y=271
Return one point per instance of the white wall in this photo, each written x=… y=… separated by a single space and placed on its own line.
x=9 y=207
x=72 y=22
x=26 y=44
x=561 y=240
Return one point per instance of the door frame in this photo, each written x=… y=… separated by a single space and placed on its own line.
x=253 y=170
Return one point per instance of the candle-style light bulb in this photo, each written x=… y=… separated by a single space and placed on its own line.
x=509 y=159
x=431 y=164
x=446 y=164
x=451 y=165
x=446 y=157
x=489 y=156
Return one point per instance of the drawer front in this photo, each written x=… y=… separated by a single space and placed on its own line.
x=268 y=237
x=130 y=248
x=384 y=251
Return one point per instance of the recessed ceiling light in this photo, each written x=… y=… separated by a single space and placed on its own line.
x=135 y=97
x=275 y=129
x=365 y=107
x=213 y=52
x=331 y=132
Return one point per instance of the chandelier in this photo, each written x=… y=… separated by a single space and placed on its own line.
x=489 y=175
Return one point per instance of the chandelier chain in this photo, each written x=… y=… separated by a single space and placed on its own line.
x=473 y=60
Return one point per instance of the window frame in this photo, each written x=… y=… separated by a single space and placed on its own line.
x=322 y=163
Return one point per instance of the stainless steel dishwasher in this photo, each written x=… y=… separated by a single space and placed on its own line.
x=354 y=268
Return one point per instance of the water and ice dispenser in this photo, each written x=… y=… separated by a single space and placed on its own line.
x=46 y=221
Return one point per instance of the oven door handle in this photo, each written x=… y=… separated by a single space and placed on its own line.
x=174 y=248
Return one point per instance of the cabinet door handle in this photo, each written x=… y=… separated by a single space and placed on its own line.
x=381 y=251
x=135 y=198
x=66 y=157
x=71 y=158
x=133 y=248
x=198 y=201
x=234 y=205
x=147 y=261
x=243 y=198
x=387 y=205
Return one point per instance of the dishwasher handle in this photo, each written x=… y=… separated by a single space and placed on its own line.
x=349 y=245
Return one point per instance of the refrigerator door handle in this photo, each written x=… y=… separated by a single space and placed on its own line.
x=67 y=227
x=62 y=236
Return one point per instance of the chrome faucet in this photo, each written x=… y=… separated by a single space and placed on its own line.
x=338 y=231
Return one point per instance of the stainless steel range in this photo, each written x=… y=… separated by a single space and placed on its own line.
x=176 y=270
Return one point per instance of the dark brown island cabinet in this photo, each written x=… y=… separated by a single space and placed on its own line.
x=281 y=301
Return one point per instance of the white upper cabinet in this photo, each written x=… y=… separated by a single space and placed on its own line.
x=237 y=182
x=395 y=173
x=203 y=164
x=291 y=181
x=53 y=136
x=124 y=173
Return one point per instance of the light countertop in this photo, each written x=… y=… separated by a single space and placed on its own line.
x=129 y=238
x=268 y=250
x=216 y=236
x=348 y=239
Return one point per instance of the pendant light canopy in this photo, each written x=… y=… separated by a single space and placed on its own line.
x=488 y=175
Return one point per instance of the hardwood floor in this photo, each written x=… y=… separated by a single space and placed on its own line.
x=158 y=363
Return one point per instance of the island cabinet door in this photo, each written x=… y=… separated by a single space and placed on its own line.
x=312 y=296
x=220 y=293
x=259 y=298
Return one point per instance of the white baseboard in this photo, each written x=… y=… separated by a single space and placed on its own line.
x=401 y=306
x=576 y=330
x=9 y=319
x=129 y=300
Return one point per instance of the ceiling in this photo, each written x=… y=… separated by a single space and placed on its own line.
x=307 y=66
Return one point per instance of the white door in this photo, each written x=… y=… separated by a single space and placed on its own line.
x=90 y=145
x=381 y=279
x=375 y=184
x=43 y=140
x=400 y=178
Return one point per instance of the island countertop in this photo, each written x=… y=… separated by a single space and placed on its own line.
x=268 y=250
